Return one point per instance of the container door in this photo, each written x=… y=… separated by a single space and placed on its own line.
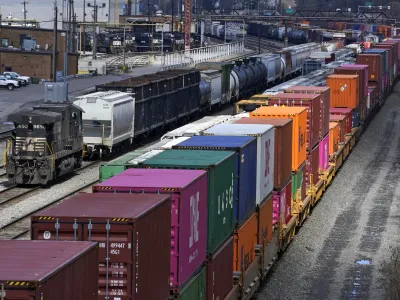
x=19 y=294
x=116 y=246
x=67 y=231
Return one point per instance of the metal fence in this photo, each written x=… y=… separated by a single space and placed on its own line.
x=198 y=55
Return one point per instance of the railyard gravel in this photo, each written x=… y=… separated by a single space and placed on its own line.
x=340 y=249
x=59 y=190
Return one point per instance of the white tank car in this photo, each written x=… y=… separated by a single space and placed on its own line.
x=108 y=121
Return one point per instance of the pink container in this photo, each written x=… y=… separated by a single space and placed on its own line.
x=366 y=75
x=188 y=216
x=282 y=202
x=324 y=153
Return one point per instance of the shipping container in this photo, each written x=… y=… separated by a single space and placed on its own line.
x=344 y=90
x=189 y=214
x=325 y=103
x=222 y=170
x=341 y=119
x=245 y=241
x=334 y=133
x=374 y=62
x=283 y=147
x=299 y=117
x=134 y=251
x=265 y=221
x=265 y=151
x=38 y=270
x=219 y=271
x=312 y=166
x=324 y=153
x=360 y=70
x=299 y=182
x=195 y=289
x=348 y=113
x=282 y=203
x=312 y=102
x=246 y=162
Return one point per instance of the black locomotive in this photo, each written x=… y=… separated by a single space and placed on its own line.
x=48 y=143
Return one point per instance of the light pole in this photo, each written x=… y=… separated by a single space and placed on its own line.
x=95 y=10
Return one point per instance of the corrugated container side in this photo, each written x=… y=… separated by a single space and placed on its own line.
x=299 y=182
x=60 y=270
x=245 y=240
x=344 y=90
x=222 y=168
x=374 y=65
x=265 y=221
x=348 y=113
x=342 y=126
x=219 y=271
x=324 y=153
x=282 y=203
x=188 y=189
x=299 y=116
x=363 y=84
x=312 y=166
x=333 y=137
x=145 y=221
x=312 y=102
x=325 y=103
x=283 y=147
x=195 y=289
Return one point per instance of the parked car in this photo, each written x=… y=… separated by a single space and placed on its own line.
x=16 y=75
x=8 y=84
x=22 y=82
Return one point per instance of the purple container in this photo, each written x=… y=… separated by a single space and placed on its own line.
x=188 y=216
x=324 y=153
x=359 y=67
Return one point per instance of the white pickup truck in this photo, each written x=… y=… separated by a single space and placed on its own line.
x=8 y=84
x=17 y=76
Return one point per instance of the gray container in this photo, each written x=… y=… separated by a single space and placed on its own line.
x=55 y=91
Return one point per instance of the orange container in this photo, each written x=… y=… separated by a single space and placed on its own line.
x=334 y=133
x=245 y=240
x=265 y=214
x=299 y=117
x=344 y=90
x=341 y=119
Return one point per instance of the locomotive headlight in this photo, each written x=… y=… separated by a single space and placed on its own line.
x=16 y=152
x=40 y=153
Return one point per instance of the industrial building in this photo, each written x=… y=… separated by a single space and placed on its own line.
x=29 y=51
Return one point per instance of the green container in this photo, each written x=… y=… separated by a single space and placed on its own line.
x=118 y=165
x=195 y=289
x=221 y=169
x=297 y=180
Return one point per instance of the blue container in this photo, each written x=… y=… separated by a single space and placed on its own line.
x=246 y=152
x=384 y=54
x=373 y=28
x=356 y=27
x=356 y=117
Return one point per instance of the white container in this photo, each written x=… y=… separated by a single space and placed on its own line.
x=265 y=151
x=145 y=156
x=108 y=118
x=213 y=77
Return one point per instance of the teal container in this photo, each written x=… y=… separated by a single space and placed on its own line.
x=195 y=288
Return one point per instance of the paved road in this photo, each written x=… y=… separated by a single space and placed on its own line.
x=339 y=251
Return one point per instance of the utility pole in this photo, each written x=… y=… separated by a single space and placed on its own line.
x=73 y=46
x=84 y=27
x=95 y=10
x=25 y=11
x=54 y=67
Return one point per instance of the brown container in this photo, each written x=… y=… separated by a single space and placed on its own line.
x=312 y=102
x=265 y=221
x=325 y=93
x=37 y=270
x=374 y=65
x=283 y=147
x=344 y=90
x=312 y=166
x=245 y=241
x=138 y=241
x=361 y=81
x=219 y=271
x=341 y=119
x=334 y=132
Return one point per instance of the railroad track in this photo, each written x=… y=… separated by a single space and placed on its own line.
x=19 y=227
x=265 y=45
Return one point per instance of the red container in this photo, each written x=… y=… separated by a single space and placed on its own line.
x=189 y=212
x=371 y=99
x=138 y=240
x=347 y=112
x=395 y=50
x=312 y=166
x=219 y=271
x=282 y=203
x=390 y=48
x=342 y=126
x=360 y=70
x=313 y=104
x=35 y=270
x=374 y=65
x=283 y=147
x=325 y=103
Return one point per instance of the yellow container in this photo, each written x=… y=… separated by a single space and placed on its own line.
x=299 y=117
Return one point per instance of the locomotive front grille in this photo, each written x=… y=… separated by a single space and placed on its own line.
x=30 y=146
